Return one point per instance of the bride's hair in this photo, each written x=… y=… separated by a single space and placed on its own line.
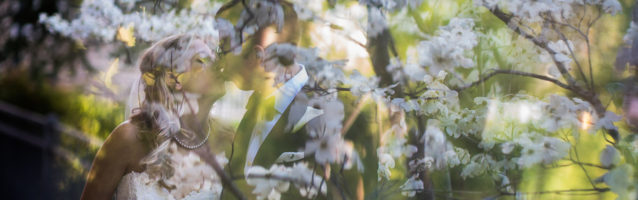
x=157 y=113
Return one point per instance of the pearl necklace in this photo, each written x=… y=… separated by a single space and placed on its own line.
x=191 y=147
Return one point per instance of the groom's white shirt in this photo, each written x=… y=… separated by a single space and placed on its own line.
x=283 y=97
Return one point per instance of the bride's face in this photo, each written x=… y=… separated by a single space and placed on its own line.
x=199 y=84
x=201 y=77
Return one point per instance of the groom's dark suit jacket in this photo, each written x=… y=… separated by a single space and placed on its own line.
x=278 y=141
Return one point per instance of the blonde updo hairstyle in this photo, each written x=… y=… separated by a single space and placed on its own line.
x=156 y=115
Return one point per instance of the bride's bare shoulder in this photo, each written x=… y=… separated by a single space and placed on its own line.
x=125 y=140
x=126 y=132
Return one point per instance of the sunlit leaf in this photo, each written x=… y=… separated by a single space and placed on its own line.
x=126 y=35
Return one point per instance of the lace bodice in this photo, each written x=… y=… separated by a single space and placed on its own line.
x=193 y=179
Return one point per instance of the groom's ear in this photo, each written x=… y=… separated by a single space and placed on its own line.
x=260 y=53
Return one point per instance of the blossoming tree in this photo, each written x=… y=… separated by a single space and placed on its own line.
x=426 y=70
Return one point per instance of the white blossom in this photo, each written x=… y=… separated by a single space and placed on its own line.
x=479 y=164
x=609 y=156
x=376 y=22
x=330 y=122
x=562 y=112
x=607 y=122
x=306 y=9
x=386 y=162
x=411 y=186
x=269 y=184
x=360 y=85
x=394 y=142
x=329 y=76
x=195 y=174
x=535 y=10
x=490 y=4
x=621 y=181
x=632 y=33
x=612 y=7
x=541 y=149
x=264 y=13
x=328 y=148
x=268 y=188
x=309 y=183
x=507 y=147
x=101 y=19
x=407 y=106
x=392 y=5
x=531 y=11
x=421 y=164
x=436 y=145
x=562 y=54
x=450 y=47
x=278 y=59
x=416 y=73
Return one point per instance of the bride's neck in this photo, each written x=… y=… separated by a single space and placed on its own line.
x=205 y=105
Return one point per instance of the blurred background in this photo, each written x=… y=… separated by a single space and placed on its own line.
x=53 y=114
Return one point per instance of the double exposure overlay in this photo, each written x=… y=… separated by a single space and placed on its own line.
x=319 y=99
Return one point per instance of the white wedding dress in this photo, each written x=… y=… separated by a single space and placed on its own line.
x=193 y=179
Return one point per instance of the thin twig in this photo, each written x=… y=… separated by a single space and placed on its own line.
x=571 y=51
x=226 y=179
x=600 y=190
x=514 y=72
x=588 y=164
x=583 y=168
x=226 y=7
x=506 y=18
x=324 y=91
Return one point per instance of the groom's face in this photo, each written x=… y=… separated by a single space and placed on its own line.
x=247 y=71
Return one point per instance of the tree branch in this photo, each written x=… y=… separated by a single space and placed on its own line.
x=589 y=96
x=571 y=51
x=589 y=164
x=225 y=7
x=226 y=180
x=507 y=19
x=518 y=73
x=558 y=191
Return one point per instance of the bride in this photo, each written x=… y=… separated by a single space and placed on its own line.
x=161 y=152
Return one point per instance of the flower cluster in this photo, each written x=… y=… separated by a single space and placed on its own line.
x=393 y=145
x=261 y=14
x=632 y=33
x=306 y=9
x=479 y=164
x=537 y=10
x=537 y=149
x=193 y=174
x=325 y=73
x=411 y=186
x=561 y=112
x=392 y=5
x=562 y=53
x=450 y=47
x=102 y=19
x=376 y=22
x=278 y=57
x=270 y=183
x=327 y=143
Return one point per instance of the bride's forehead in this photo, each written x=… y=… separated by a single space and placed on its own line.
x=194 y=49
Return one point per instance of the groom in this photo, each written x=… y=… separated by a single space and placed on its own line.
x=267 y=108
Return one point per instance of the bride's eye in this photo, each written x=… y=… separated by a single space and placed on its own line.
x=203 y=61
